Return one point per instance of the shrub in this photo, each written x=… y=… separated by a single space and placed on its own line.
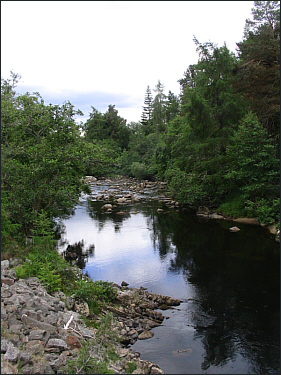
x=139 y=170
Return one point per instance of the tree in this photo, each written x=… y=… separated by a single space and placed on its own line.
x=258 y=76
x=158 y=113
x=211 y=110
x=253 y=166
x=172 y=107
x=42 y=157
x=107 y=126
x=146 y=117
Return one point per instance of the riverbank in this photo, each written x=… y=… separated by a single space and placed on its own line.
x=42 y=333
x=121 y=190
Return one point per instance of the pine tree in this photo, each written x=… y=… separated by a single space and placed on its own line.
x=146 y=117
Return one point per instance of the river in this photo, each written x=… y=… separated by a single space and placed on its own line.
x=229 y=283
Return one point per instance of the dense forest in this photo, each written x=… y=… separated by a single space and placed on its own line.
x=216 y=144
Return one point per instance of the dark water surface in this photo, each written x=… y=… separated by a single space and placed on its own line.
x=229 y=320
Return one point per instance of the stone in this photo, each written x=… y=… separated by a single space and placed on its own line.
x=216 y=216
x=82 y=307
x=4 y=345
x=203 y=211
x=106 y=206
x=12 y=353
x=24 y=358
x=73 y=342
x=133 y=334
x=16 y=328
x=171 y=301
x=39 y=368
x=34 y=347
x=5 y=264
x=124 y=283
x=247 y=220
x=8 y=368
x=145 y=335
x=57 y=343
x=6 y=280
x=15 y=262
x=272 y=229
x=156 y=370
x=32 y=323
x=69 y=303
x=234 y=229
x=37 y=334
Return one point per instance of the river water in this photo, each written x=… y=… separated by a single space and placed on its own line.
x=229 y=283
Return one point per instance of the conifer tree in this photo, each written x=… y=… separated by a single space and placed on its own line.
x=146 y=117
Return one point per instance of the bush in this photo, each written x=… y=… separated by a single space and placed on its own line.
x=98 y=291
x=46 y=266
x=139 y=170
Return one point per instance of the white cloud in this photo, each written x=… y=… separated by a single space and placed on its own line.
x=114 y=47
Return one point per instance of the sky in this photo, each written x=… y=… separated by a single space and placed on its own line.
x=97 y=53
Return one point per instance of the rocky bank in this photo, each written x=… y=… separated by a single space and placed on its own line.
x=40 y=332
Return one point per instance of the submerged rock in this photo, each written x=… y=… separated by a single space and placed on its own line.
x=234 y=229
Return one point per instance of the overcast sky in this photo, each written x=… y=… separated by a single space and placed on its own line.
x=96 y=53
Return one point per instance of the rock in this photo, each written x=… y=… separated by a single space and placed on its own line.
x=5 y=264
x=4 y=345
x=247 y=220
x=57 y=343
x=34 y=347
x=272 y=229
x=8 y=368
x=203 y=212
x=81 y=307
x=145 y=335
x=156 y=370
x=73 y=342
x=160 y=210
x=106 y=206
x=32 y=323
x=171 y=301
x=277 y=237
x=12 y=353
x=121 y=200
x=216 y=216
x=234 y=229
x=124 y=283
x=69 y=302
x=24 y=358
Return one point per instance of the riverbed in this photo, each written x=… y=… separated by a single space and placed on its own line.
x=229 y=283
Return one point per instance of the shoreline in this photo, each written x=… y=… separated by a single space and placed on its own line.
x=41 y=332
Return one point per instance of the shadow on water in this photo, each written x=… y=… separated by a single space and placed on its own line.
x=235 y=277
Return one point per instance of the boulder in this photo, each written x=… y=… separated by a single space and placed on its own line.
x=12 y=353
x=107 y=207
x=234 y=229
x=145 y=335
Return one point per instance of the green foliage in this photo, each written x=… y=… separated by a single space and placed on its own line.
x=98 y=290
x=266 y=211
x=8 y=229
x=94 y=356
x=234 y=208
x=87 y=362
x=139 y=170
x=254 y=167
x=47 y=266
x=42 y=156
x=43 y=232
x=130 y=367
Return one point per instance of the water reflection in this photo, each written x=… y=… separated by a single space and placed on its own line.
x=229 y=283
